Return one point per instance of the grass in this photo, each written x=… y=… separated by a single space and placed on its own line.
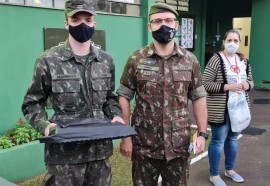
x=121 y=170
x=36 y=181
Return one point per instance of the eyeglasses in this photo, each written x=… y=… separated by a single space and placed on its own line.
x=159 y=21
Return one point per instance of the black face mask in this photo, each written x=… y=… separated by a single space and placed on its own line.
x=82 y=32
x=164 y=34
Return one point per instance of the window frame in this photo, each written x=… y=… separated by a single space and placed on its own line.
x=110 y=2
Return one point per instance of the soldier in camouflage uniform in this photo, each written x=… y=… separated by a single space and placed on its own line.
x=79 y=79
x=162 y=77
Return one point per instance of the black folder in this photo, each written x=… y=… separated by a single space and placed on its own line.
x=88 y=129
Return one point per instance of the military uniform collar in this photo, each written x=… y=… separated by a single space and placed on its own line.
x=177 y=50
x=67 y=52
x=151 y=50
x=95 y=51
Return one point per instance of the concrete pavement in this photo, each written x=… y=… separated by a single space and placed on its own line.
x=253 y=161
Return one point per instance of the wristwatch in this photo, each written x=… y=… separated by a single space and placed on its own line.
x=203 y=134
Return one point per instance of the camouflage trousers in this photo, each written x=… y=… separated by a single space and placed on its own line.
x=94 y=173
x=146 y=171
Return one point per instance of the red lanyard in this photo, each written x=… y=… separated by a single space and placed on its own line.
x=235 y=67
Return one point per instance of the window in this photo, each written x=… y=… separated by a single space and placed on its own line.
x=125 y=7
x=59 y=4
x=16 y=1
x=42 y=3
x=39 y=3
x=181 y=5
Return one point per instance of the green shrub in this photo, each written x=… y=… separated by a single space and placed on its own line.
x=22 y=133
x=5 y=142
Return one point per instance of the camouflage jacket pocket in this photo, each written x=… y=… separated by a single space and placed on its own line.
x=146 y=128
x=65 y=92
x=147 y=79
x=69 y=83
x=181 y=79
x=101 y=81
x=180 y=134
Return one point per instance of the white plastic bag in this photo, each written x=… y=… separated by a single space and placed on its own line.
x=238 y=111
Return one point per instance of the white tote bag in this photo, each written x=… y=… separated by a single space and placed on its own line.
x=238 y=111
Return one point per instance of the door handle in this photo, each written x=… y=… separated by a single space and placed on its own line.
x=246 y=40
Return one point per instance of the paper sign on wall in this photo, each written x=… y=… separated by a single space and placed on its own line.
x=187 y=33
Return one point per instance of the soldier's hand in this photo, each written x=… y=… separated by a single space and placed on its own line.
x=48 y=128
x=126 y=147
x=117 y=119
x=200 y=144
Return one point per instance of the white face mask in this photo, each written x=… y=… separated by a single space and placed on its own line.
x=231 y=47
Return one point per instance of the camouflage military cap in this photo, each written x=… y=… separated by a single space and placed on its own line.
x=74 y=6
x=162 y=7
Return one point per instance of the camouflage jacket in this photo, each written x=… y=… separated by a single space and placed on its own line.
x=162 y=87
x=76 y=90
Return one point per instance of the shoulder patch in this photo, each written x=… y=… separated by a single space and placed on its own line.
x=148 y=61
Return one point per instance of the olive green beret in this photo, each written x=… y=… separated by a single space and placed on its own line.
x=162 y=7
x=74 y=6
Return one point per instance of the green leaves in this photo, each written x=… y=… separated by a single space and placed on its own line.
x=5 y=143
x=22 y=133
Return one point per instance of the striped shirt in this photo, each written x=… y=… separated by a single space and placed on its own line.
x=214 y=79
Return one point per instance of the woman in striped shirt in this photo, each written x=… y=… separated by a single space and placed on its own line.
x=226 y=72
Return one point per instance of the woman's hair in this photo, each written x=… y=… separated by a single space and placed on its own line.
x=225 y=37
x=231 y=31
